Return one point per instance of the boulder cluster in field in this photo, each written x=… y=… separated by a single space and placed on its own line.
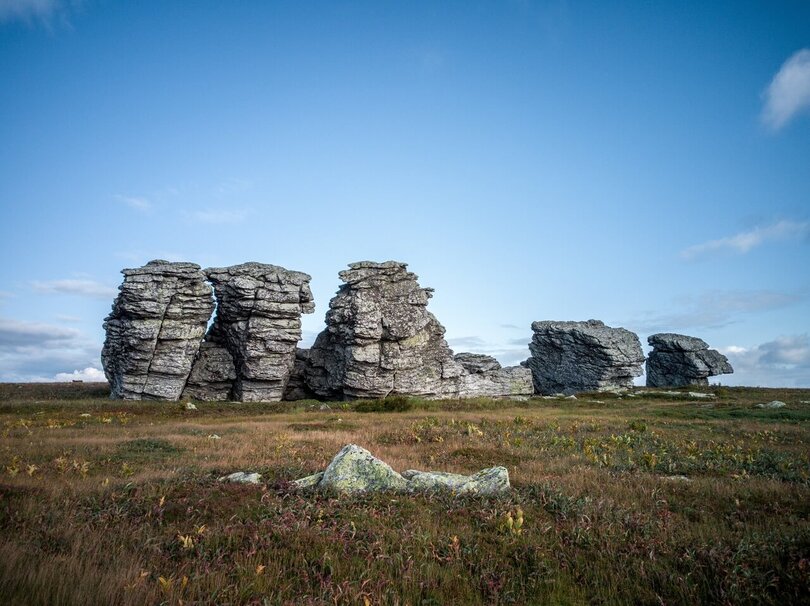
x=379 y=340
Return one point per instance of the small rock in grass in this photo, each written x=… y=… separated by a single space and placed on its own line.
x=242 y=477
x=571 y=397
x=85 y=415
x=771 y=404
x=677 y=478
x=309 y=481
x=354 y=470
x=486 y=482
x=214 y=436
x=190 y=406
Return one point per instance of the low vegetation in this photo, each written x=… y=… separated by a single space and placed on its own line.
x=641 y=499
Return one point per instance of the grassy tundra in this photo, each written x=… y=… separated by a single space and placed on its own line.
x=109 y=502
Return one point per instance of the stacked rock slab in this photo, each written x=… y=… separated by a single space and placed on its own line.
x=679 y=360
x=258 y=322
x=381 y=340
x=569 y=357
x=154 y=330
x=484 y=376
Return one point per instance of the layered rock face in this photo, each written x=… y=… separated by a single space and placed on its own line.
x=154 y=330
x=679 y=360
x=258 y=323
x=568 y=357
x=380 y=340
x=484 y=376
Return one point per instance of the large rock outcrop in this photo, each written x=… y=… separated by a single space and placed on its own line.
x=381 y=340
x=569 y=357
x=154 y=330
x=679 y=360
x=258 y=322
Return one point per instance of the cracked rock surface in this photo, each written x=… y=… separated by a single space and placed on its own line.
x=258 y=322
x=381 y=340
x=680 y=360
x=569 y=357
x=154 y=330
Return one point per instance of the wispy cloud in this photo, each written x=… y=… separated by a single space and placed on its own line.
x=745 y=241
x=712 y=309
x=82 y=288
x=216 y=216
x=44 y=12
x=783 y=362
x=136 y=202
x=36 y=351
x=459 y=342
x=789 y=92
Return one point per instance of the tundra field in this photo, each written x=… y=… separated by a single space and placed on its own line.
x=636 y=499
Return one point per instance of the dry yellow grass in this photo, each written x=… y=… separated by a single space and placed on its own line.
x=107 y=502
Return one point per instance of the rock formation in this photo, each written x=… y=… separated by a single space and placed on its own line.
x=568 y=357
x=354 y=470
x=155 y=348
x=258 y=322
x=679 y=360
x=154 y=330
x=380 y=340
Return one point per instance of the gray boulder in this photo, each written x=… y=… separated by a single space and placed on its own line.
x=354 y=470
x=569 y=357
x=381 y=340
x=154 y=330
x=258 y=322
x=679 y=360
x=492 y=481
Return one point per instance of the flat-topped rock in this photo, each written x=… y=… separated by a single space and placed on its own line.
x=154 y=330
x=258 y=322
x=680 y=360
x=568 y=357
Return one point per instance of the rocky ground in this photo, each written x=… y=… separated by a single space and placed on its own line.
x=649 y=497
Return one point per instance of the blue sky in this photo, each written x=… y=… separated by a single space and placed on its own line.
x=647 y=164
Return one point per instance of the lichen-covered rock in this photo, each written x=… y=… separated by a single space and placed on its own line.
x=258 y=321
x=381 y=340
x=568 y=357
x=355 y=470
x=492 y=481
x=679 y=360
x=242 y=477
x=309 y=481
x=154 y=330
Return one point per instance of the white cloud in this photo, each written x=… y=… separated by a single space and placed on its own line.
x=218 y=216
x=137 y=203
x=83 y=288
x=88 y=375
x=744 y=241
x=32 y=351
x=789 y=91
x=783 y=362
x=712 y=309
x=67 y=318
